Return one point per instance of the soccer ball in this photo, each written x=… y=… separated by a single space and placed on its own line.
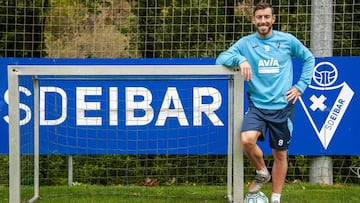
x=256 y=198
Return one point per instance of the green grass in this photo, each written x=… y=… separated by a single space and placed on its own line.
x=293 y=193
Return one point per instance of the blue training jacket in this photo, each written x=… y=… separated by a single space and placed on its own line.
x=272 y=69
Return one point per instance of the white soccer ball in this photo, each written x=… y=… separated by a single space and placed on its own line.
x=256 y=198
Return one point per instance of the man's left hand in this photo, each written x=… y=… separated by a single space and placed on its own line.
x=293 y=94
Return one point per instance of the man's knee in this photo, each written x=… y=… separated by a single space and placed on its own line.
x=280 y=155
x=246 y=141
x=249 y=138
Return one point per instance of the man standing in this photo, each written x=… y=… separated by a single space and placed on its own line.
x=264 y=59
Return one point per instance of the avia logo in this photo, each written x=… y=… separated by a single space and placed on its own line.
x=268 y=63
x=324 y=99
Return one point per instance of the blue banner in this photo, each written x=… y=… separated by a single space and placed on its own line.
x=128 y=116
x=185 y=115
x=326 y=116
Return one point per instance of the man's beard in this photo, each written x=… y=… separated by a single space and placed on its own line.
x=261 y=29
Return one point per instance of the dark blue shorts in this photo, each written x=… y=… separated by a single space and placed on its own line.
x=278 y=123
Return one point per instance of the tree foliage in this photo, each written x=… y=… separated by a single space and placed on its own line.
x=346 y=28
x=184 y=29
x=21 y=28
x=154 y=29
x=75 y=29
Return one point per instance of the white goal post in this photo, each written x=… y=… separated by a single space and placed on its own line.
x=235 y=180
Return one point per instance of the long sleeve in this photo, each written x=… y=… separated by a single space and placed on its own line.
x=271 y=61
x=231 y=57
x=308 y=60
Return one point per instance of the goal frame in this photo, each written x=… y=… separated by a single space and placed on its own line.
x=235 y=174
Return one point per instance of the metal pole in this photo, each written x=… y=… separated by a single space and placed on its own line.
x=322 y=46
x=36 y=141
x=70 y=170
x=14 y=137
x=238 y=160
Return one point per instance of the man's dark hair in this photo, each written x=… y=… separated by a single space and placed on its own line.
x=261 y=6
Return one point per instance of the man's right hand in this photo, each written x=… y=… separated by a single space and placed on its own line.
x=245 y=70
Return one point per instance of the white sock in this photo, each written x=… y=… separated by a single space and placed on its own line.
x=263 y=171
x=275 y=196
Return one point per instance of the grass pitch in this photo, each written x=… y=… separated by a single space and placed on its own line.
x=293 y=193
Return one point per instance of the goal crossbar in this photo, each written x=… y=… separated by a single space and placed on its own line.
x=235 y=111
x=146 y=70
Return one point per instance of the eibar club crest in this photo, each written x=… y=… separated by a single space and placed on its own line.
x=326 y=102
